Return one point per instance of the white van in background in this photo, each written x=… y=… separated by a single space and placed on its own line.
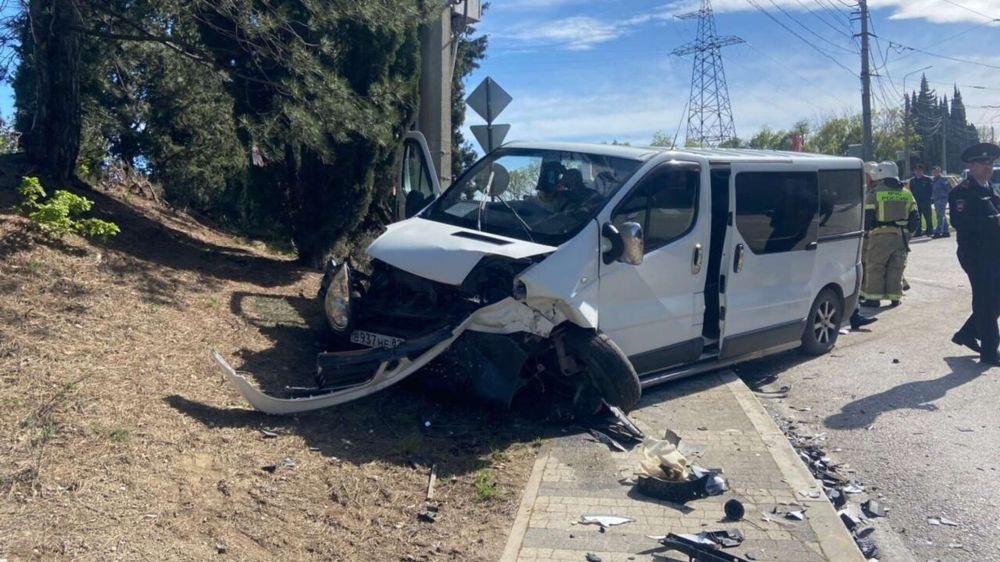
x=575 y=274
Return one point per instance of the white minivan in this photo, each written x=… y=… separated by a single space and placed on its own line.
x=571 y=275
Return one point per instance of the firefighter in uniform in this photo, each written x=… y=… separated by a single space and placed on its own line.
x=974 y=205
x=890 y=217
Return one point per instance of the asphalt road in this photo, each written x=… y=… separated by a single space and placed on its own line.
x=923 y=431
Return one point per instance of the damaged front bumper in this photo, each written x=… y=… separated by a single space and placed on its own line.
x=350 y=375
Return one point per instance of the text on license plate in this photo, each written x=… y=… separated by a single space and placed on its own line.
x=371 y=339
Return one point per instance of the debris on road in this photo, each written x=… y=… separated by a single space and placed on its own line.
x=734 y=510
x=591 y=557
x=604 y=438
x=700 y=549
x=797 y=515
x=431 y=479
x=667 y=475
x=873 y=508
x=605 y=521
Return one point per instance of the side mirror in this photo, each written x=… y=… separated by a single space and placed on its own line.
x=626 y=245
x=633 y=247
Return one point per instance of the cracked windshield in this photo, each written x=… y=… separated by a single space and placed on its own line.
x=543 y=196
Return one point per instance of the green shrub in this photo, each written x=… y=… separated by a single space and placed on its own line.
x=58 y=215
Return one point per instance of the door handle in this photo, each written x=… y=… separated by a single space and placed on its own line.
x=696 y=259
x=738 y=259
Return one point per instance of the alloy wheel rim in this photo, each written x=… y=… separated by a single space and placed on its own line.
x=824 y=323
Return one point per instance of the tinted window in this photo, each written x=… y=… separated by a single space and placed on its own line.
x=664 y=203
x=840 y=202
x=776 y=211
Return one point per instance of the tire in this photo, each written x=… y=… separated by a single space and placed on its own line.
x=610 y=375
x=823 y=323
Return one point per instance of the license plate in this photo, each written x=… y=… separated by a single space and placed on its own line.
x=371 y=339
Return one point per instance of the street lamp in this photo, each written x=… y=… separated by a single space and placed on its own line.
x=906 y=125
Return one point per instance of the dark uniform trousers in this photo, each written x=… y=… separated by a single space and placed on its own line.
x=974 y=215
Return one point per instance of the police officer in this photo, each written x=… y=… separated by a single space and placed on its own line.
x=890 y=216
x=974 y=205
x=921 y=187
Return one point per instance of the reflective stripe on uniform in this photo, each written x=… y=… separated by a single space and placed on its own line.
x=893 y=205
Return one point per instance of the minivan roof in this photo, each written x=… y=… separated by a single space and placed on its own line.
x=720 y=155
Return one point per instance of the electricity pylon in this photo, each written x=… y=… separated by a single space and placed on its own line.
x=710 y=117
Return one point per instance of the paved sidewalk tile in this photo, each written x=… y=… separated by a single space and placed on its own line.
x=714 y=414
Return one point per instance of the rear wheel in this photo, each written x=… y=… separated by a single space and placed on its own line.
x=823 y=323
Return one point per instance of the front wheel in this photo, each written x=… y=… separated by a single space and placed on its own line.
x=823 y=323
x=606 y=371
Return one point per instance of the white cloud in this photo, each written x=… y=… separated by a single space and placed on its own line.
x=577 y=33
x=534 y=4
x=574 y=33
x=935 y=11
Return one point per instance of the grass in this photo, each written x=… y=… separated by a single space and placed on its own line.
x=120 y=436
x=498 y=456
x=485 y=486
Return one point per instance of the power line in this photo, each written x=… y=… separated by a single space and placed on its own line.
x=807 y=28
x=940 y=56
x=832 y=8
x=787 y=68
x=977 y=12
x=801 y=38
x=824 y=20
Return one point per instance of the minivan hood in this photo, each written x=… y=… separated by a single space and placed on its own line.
x=445 y=253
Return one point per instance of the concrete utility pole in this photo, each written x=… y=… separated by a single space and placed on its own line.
x=438 y=48
x=868 y=149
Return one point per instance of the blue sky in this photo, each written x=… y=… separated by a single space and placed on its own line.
x=601 y=70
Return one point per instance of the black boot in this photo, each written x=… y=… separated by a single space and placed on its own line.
x=968 y=341
x=857 y=320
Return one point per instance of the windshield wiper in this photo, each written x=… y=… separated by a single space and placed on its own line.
x=482 y=204
x=524 y=225
x=486 y=198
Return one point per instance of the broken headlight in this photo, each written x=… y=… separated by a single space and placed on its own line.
x=337 y=303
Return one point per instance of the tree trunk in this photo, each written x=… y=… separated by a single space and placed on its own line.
x=53 y=139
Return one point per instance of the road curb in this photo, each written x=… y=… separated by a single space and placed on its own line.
x=834 y=539
x=520 y=526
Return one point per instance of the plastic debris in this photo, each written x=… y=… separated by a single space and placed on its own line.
x=948 y=522
x=605 y=521
x=626 y=424
x=698 y=550
x=872 y=508
x=268 y=434
x=734 y=510
x=933 y=521
x=810 y=494
x=797 y=515
x=850 y=520
x=604 y=438
x=853 y=489
x=661 y=458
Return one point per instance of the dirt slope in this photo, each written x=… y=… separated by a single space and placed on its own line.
x=119 y=440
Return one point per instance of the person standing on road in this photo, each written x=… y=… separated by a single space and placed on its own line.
x=890 y=215
x=974 y=205
x=921 y=188
x=940 y=188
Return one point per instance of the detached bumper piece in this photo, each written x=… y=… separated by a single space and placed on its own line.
x=346 y=376
x=343 y=369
